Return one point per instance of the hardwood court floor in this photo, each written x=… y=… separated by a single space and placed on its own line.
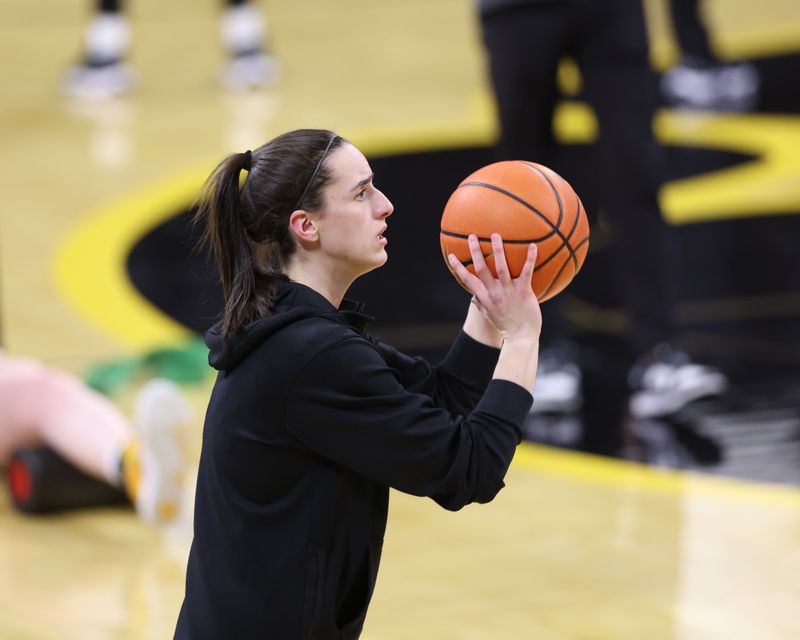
x=574 y=548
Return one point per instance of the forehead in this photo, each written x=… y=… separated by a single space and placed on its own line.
x=347 y=165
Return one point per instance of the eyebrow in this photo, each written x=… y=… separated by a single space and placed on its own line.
x=363 y=182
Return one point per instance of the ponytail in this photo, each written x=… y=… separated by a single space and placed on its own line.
x=248 y=287
x=246 y=222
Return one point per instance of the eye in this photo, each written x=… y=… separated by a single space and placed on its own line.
x=361 y=194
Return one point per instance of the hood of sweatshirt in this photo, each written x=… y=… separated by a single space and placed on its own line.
x=293 y=302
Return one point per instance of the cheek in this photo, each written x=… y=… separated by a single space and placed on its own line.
x=348 y=229
x=353 y=226
x=344 y=237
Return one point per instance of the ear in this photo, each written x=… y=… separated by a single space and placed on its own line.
x=303 y=226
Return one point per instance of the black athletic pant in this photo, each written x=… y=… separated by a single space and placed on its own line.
x=608 y=41
x=115 y=6
x=690 y=32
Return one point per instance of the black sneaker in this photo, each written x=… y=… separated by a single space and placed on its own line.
x=665 y=380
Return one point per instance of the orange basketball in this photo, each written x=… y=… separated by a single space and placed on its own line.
x=524 y=202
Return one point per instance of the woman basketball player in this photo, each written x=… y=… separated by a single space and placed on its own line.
x=311 y=420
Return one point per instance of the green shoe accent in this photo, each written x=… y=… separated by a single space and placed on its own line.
x=184 y=364
x=188 y=363
x=110 y=377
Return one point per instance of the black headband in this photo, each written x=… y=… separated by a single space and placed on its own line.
x=315 y=172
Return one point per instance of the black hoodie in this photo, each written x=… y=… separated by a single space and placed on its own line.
x=309 y=424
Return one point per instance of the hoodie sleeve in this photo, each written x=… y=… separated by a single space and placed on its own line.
x=349 y=406
x=456 y=383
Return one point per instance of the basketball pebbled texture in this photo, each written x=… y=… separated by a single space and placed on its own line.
x=524 y=202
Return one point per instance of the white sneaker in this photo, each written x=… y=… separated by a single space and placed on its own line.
x=90 y=81
x=558 y=382
x=162 y=411
x=698 y=84
x=666 y=381
x=250 y=71
x=245 y=39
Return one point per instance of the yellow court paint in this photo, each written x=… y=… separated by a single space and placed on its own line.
x=90 y=266
x=767 y=185
x=619 y=473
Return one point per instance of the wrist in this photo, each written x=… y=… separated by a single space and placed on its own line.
x=480 y=329
x=522 y=340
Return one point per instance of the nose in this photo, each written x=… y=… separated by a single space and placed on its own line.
x=383 y=207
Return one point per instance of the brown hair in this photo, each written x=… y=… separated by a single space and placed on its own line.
x=246 y=227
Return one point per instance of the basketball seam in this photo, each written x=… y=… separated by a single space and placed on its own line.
x=464 y=236
x=566 y=242
x=555 y=191
x=466 y=263
x=461 y=236
x=560 y=210
x=561 y=270
x=513 y=196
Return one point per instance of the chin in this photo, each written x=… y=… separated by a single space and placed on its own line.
x=378 y=262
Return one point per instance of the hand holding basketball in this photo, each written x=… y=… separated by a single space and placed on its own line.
x=524 y=202
x=508 y=303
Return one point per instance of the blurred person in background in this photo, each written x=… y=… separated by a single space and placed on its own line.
x=700 y=80
x=103 y=71
x=43 y=406
x=525 y=41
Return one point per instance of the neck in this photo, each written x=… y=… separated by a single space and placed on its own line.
x=324 y=279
